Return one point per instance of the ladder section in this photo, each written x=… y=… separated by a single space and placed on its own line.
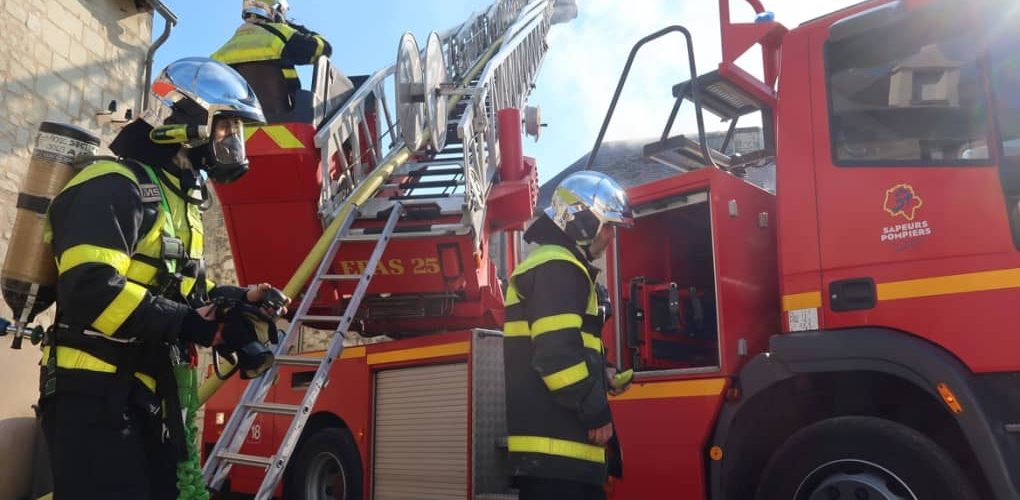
x=492 y=60
x=226 y=452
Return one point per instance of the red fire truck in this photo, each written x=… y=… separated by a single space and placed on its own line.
x=847 y=337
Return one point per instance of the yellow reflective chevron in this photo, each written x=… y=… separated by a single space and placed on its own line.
x=555 y=322
x=566 y=377
x=557 y=447
x=283 y=137
x=91 y=254
x=120 y=308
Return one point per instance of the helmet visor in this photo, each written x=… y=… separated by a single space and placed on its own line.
x=227 y=141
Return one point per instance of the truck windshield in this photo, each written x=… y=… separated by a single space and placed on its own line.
x=909 y=93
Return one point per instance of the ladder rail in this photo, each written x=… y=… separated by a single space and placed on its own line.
x=319 y=381
x=239 y=424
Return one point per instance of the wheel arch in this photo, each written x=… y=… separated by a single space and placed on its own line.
x=789 y=386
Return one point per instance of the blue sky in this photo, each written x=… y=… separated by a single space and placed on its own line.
x=579 y=73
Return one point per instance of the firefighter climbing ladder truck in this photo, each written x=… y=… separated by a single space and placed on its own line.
x=407 y=173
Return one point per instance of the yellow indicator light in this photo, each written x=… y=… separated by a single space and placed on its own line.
x=221 y=418
x=950 y=399
x=715 y=453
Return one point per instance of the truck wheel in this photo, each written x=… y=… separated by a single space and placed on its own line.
x=851 y=458
x=327 y=466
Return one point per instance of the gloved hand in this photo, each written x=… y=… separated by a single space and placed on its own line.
x=618 y=382
x=272 y=301
x=246 y=336
x=200 y=326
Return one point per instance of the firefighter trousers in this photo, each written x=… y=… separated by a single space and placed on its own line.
x=540 y=488
x=94 y=456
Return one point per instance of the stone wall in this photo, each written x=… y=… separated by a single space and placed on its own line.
x=63 y=61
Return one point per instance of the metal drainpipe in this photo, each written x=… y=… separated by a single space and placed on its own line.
x=170 y=21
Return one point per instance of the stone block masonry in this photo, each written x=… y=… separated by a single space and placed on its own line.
x=63 y=60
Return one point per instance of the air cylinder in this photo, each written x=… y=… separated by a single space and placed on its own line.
x=29 y=275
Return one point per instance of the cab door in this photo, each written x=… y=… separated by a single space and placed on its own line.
x=914 y=228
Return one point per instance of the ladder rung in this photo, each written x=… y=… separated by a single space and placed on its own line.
x=274 y=408
x=290 y=360
x=341 y=277
x=430 y=184
x=439 y=171
x=419 y=196
x=333 y=319
x=242 y=459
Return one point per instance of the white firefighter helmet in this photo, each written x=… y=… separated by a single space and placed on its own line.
x=270 y=10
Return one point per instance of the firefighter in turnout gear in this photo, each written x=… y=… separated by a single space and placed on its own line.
x=265 y=50
x=126 y=233
x=558 y=413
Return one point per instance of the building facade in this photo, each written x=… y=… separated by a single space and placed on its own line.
x=63 y=61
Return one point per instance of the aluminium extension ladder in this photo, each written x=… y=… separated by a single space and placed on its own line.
x=226 y=453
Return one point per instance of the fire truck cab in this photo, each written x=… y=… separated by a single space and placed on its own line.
x=893 y=240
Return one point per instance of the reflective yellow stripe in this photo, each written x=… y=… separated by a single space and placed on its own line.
x=70 y=358
x=591 y=341
x=414 y=353
x=283 y=137
x=946 y=285
x=140 y=272
x=555 y=322
x=98 y=169
x=209 y=285
x=806 y=300
x=516 y=329
x=122 y=306
x=673 y=389
x=566 y=377
x=320 y=46
x=289 y=73
x=91 y=254
x=557 y=447
x=187 y=284
x=252 y=43
x=546 y=253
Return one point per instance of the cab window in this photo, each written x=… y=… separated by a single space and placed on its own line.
x=907 y=93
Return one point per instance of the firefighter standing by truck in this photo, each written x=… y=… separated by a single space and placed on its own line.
x=267 y=47
x=558 y=414
x=131 y=291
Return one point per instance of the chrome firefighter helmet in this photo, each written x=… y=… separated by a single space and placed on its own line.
x=586 y=202
x=209 y=105
x=266 y=9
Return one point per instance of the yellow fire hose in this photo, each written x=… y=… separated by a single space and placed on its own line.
x=365 y=190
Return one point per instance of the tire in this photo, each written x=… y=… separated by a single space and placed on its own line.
x=327 y=466
x=862 y=457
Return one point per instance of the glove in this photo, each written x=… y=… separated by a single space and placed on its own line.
x=197 y=329
x=246 y=336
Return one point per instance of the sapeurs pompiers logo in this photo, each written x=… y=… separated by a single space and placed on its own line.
x=903 y=200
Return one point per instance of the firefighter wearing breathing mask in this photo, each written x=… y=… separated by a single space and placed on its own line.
x=132 y=293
